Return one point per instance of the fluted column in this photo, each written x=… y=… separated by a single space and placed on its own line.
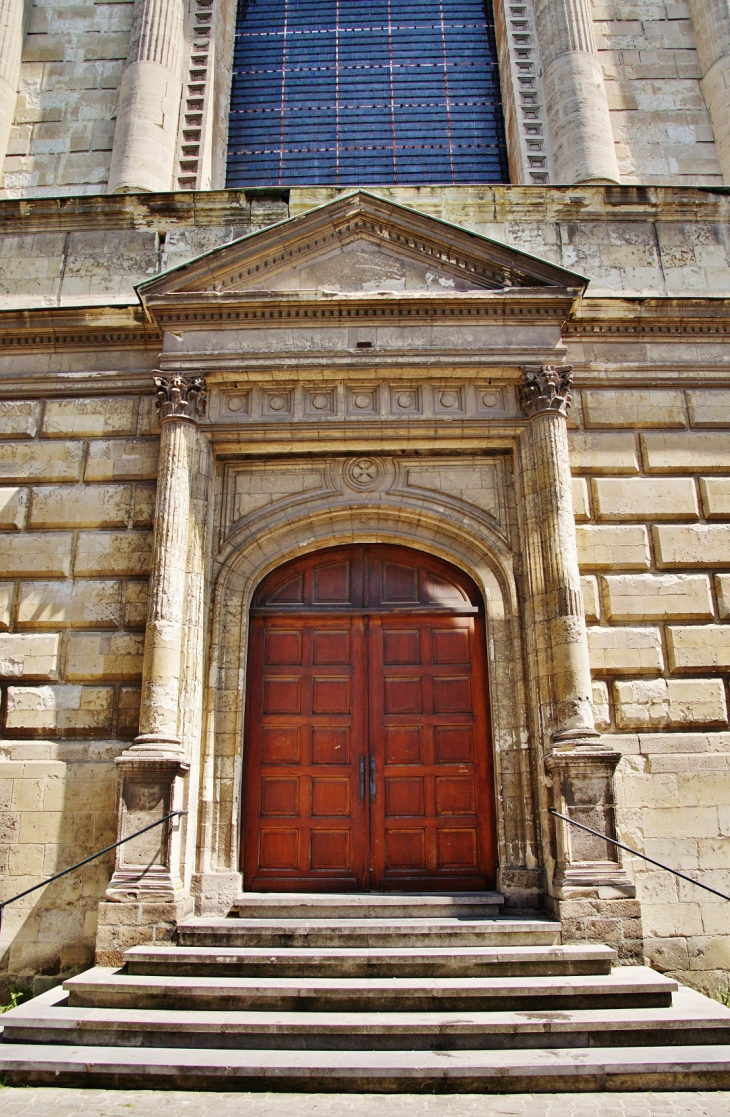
x=11 y=47
x=711 y=23
x=579 y=764
x=575 y=94
x=148 y=109
x=151 y=768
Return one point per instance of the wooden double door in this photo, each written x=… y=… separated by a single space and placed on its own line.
x=368 y=762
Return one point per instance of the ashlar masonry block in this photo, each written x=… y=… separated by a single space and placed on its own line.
x=101 y=554
x=695 y=545
x=648 y=597
x=686 y=453
x=93 y=656
x=722 y=588
x=81 y=506
x=581 y=502
x=122 y=460
x=70 y=604
x=710 y=408
x=645 y=498
x=6 y=602
x=13 y=508
x=699 y=647
x=715 y=493
x=19 y=418
x=625 y=651
x=28 y=655
x=41 y=461
x=604 y=547
x=90 y=418
x=67 y=710
x=591 y=599
x=638 y=408
x=662 y=703
x=591 y=452
x=43 y=553
x=600 y=703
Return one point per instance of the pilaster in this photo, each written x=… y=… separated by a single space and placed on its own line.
x=148 y=109
x=575 y=94
x=579 y=765
x=153 y=769
x=711 y=23
x=11 y=46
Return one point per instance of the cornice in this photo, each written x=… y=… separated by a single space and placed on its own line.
x=647 y=318
x=78 y=328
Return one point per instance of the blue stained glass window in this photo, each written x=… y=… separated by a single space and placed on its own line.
x=380 y=92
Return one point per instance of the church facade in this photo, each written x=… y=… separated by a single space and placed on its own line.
x=368 y=519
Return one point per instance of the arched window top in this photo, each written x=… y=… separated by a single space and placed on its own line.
x=338 y=92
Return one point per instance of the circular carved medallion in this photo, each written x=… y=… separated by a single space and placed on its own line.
x=363 y=473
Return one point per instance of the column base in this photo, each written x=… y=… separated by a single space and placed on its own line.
x=123 y=925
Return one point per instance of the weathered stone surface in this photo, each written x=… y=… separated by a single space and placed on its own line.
x=636 y=597
x=122 y=460
x=581 y=500
x=656 y=703
x=715 y=492
x=67 y=710
x=603 y=453
x=7 y=590
x=625 y=651
x=81 y=506
x=36 y=554
x=699 y=647
x=40 y=461
x=92 y=656
x=13 y=508
x=694 y=545
x=709 y=408
x=645 y=498
x=722 y=588
x=634 y=408
x=28 y=656
x=79 y=604
x=19 y=418
x=612 y=548
x=90 y=418
x=103 y=554
x=591 y=599
x=685 y=453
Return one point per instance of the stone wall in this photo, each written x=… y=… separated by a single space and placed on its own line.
x=76 y=508
x=652 y=502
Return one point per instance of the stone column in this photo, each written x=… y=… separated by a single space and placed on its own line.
x=575 y=94
x=711 y=22
x=148 y=868
x=580 y=766
x=148 y=109
x=11 y=47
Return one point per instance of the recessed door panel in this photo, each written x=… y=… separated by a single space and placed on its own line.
x=367 y=758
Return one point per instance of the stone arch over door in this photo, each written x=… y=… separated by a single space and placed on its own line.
x=264 y=543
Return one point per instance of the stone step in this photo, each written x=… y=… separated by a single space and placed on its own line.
x=635 y=986
x=368 y=905
x=705 y=1067
x=411 y=932
x=476 y=961
x=691 y=1019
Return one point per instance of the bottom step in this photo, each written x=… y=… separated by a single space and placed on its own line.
x=557 y=1070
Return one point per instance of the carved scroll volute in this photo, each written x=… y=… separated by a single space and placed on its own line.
x=546 y=388
x=180 y=397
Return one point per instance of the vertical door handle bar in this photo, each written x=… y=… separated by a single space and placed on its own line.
x=362 y=779
x=372 y=779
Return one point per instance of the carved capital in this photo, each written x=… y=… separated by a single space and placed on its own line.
x=546 y=388
x=180 y=397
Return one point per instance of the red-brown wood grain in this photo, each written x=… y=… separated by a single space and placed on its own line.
x=368 y=756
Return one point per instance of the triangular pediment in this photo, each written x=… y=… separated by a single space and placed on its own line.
x=359 y=244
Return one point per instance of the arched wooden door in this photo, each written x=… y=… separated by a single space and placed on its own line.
x=368 y=756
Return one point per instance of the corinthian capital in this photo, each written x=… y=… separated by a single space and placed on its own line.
x=180 y=397
x=546 y=388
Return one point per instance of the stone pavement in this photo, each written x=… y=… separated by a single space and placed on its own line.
x=55 y=1102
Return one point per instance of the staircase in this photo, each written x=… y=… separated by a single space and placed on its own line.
x=370 y=993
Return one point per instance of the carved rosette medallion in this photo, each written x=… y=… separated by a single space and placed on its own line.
x=180 y=397
x=546 y=388
x=363 y=474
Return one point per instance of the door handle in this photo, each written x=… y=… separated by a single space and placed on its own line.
x=362 y=779
x=372 y=779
